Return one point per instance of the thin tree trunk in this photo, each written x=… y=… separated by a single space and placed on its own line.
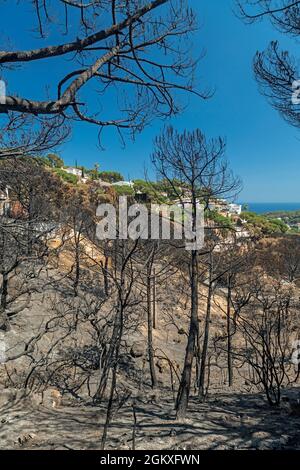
x=134 y=426
x=229 y=337
x=105 y=276
x=77 y=267
x=109 y=410
x=205 y=340
x=114 y=367
x=107 y=362
x=185 y=383
x=154 y=299
x=150 y=329
x=4 y=291
x=29 y=226
x=4 y=321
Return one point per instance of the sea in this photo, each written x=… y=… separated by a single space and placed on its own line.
x=263 y=207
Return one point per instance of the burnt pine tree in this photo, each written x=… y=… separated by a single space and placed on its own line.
x=117 y=49
x=276 y=70
x=198 y=167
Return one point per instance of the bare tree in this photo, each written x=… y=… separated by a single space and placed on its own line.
x=198 y=165
x=235 y=260
x=24 y=135
x=124 y=278
x=276 y=70
x=156 y=258
x=34 y=194
x=267 y=324
x=117 y=47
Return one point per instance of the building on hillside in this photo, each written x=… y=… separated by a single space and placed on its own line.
x=224 y=207
x=73 y=171
x=235 y=209
x=4 y=202
x=130 y=184
x=219 y=205
x=187 y=200
x=11 y=207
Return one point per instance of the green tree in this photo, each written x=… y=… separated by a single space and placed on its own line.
x=54 y=160
x=111 y=176
x=67 y=177
x=124 y=190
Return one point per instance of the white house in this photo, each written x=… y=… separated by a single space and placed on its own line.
x=73 y=171
x=235 y=209
x=219 y=205
x=130 y=184
x=4 y=201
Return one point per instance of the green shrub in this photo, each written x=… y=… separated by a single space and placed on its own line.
x=68 y=177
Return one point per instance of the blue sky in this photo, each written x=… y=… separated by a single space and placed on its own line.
x=262 y=149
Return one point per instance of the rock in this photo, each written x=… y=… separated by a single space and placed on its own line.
x=162 y=365
x=137 y=350
x=284 y=440
x=262 y=440
x=25 y=438
x=261 y=435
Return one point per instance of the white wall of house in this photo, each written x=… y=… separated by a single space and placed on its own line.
x=73 y=171
x=124 y=183
x=235 y=209
x=4 y=202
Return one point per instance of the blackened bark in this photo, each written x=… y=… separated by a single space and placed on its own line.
x=185 y=383
x=202 y=374
x=229 y=336
x=154 y=299
x=150 y=328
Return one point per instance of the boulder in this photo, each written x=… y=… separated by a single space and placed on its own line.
x=137 y=350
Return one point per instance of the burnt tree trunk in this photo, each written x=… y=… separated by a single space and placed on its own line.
x=150 y=328
x=154 y=299
x=202 y=374
x=185 y=383
x=114 y=366
x=77 y=262
x=105 y=276
x=4 y=321
x=229 y=336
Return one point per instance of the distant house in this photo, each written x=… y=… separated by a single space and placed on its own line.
x=4 y=202
x=10 y=207
x=124 y=183
x=224 y=207
x=219 y=205
x=73 y=171
x=235 y=209
x=184 y=201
